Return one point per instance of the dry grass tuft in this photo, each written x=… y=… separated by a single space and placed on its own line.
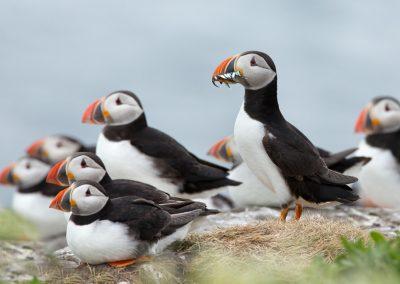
x=306 y=238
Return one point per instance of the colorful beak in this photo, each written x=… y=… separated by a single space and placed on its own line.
x=58 y=174
x=226 y=71
x=62 y=201
x=7 y=176
x=95 y=114
x=364 y=121
x=222 y=151
x=36 y=149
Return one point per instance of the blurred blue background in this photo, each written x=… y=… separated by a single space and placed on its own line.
x=58 y=56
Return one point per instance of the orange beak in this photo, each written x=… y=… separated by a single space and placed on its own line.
x=226 y=71
x=364 y=121
x=36 y=149
x=94 y=113
x=57 y=200
x=6 y=175
x=221 y=150
x=57 y=175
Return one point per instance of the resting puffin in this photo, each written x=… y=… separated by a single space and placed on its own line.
x=88 y=166
x=54 y=148
x=118 y=231
x=252 y=192
x=131 y=149
x=380 y=178
x=31 y=200
x=277 y=153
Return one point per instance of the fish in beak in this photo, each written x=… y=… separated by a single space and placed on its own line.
x=59 y=175
x=96 y=113
x=8 y=177
x=63 y=200
x=365 y=123
x=227 y=73
x=222 y=151
x=36 y=149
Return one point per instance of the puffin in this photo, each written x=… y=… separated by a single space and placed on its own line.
x=379 y=180
x=131 y=149
x=277 y=153
x=33 y=194
x=119 y=231
x=54 y=148
x=88 y=166
x=252 y=192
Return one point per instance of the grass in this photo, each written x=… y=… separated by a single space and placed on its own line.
x=14 y=227
x=313 y=250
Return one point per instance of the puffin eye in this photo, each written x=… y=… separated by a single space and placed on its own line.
x=83 y=163
x=88 y=192
x=59 y=144
x=118 y=102
x=253 y=61
x=28 y=166
x=387 y=108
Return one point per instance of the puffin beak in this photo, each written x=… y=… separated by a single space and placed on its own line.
x=63 y=201
x=221 y=150
x=7 y=176
x=226 y=72
x=364 y=121
x=58 y=174
x=36 y=149
x=95 y=113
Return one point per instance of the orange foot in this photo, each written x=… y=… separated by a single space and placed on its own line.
x=122 y=263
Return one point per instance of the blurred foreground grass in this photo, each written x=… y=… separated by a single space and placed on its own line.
x=14 y=227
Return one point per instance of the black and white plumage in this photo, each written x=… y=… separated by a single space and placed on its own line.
x=279 y=155
x=88 y=166
x=54 y=148
x=379 y=180
x=251 y=191
x=33 y=195
x=104 y=230
x=131 y=149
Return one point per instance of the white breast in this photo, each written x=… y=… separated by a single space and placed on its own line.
x=103 y=241
x=178 y=235
x=252 y=192
x=35 y=208
x=380 y=178
x=124 y=161
x=249 y=134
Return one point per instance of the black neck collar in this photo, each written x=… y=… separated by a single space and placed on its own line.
x=389 y=141
x=106 y=179
x=262 y=104
x=124 y=132
x=43 y=187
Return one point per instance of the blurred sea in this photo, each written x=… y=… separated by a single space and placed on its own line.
x=58 y=56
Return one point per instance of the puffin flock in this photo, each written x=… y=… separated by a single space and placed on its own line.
x=139 y=190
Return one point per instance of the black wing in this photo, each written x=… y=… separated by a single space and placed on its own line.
x=177 y=159
x=296 y=156
x=144 y=218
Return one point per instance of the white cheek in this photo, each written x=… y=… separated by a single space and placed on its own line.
x=259 y=78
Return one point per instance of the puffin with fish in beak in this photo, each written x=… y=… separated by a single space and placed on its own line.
x=277 y=153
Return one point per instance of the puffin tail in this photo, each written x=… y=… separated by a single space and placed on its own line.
x=210 y=187
x=340 y=193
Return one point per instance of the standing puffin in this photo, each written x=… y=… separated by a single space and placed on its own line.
x=118 y=231
x=31 y=200
x=54 y=148
x=131 y=149
x=277 y=153
x=87 y=166
x=380 y=178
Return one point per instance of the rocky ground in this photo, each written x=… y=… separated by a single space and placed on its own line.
x=20 y=260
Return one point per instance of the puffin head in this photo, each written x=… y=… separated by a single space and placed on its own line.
x=81 y=198
x=252 y=69
x=381 y=115
x=24 y=173
x=78 y=166
x=118 y=108
x=225 y=150
x=53 y=148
